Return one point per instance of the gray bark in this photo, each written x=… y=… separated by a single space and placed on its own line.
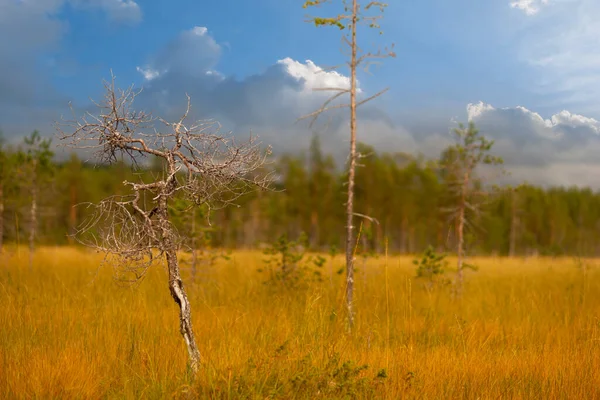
x=460 y=235
x=175 y=283
x=351 y=175
x=185 y=315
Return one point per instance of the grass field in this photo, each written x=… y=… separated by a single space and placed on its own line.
x=523 y=329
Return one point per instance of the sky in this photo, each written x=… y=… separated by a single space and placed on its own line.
x=527 y=72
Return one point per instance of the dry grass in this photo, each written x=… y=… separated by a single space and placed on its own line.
x=524 y=329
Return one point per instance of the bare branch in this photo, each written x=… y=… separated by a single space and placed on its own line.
x=368 y=218
x=360 y=103
x=203 y=166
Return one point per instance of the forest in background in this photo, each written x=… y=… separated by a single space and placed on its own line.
x=406 y=196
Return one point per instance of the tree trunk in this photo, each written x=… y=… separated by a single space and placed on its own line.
x=351 y=173
x=72 y=212
x=185 y=316
x=460 y=249
x=441 y=244
x=1 y=217
x=33 y=216
x=513 y=225
x=175 y=283
x=194 y=246
x=460 y=235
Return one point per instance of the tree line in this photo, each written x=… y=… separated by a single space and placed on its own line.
x=406 y=198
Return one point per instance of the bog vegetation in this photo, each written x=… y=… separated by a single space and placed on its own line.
x=272 y=322
x=524 y=328
x=390 y=277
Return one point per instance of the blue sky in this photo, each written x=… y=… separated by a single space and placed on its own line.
x=526 y=70
x=448 y=52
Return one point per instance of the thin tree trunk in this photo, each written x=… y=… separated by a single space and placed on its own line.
x=351 y=173
x=460 y=235
x=460 y=248
x=194 y=245
x=379 y=238
x=185 y=316
x=33 y=217
x=175 y=283
x=1 y=217
x=441 y=244
x=513 y=225
x=72 y=213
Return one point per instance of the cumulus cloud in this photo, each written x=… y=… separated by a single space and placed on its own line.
x=268 y=103
x=148 y=73
x=558 y=149
x=559 y=120
x=555 y=149
x=314 y=77
x=529 y=7
x=561 y=149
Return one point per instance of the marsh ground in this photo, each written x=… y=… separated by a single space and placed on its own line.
x=523 y=329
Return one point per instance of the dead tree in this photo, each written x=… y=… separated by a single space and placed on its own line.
x=459 y=163
x=356 y=13
x=35 y=167
x=202 y=166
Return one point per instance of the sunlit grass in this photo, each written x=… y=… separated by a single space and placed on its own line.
x=523 y=329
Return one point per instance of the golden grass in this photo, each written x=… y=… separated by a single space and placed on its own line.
x=524 y=329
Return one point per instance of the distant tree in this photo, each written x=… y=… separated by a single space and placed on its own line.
x=74 y=186
x=3 y=178
x=459 y=163
x=355 y=13
x=297 y=203
x=202 y=166
x=515 y=218
x=321 y=170
x=36 y=166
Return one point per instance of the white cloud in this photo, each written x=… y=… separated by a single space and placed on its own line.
x=529 y=7
x=267 y=103
x=475 y=110
x=148 y=73
x=277 y=96
x=315 y=77
x=199 y=30
x=573 y=120
x=561 y=119
x=560 y=150
x=194 y=52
